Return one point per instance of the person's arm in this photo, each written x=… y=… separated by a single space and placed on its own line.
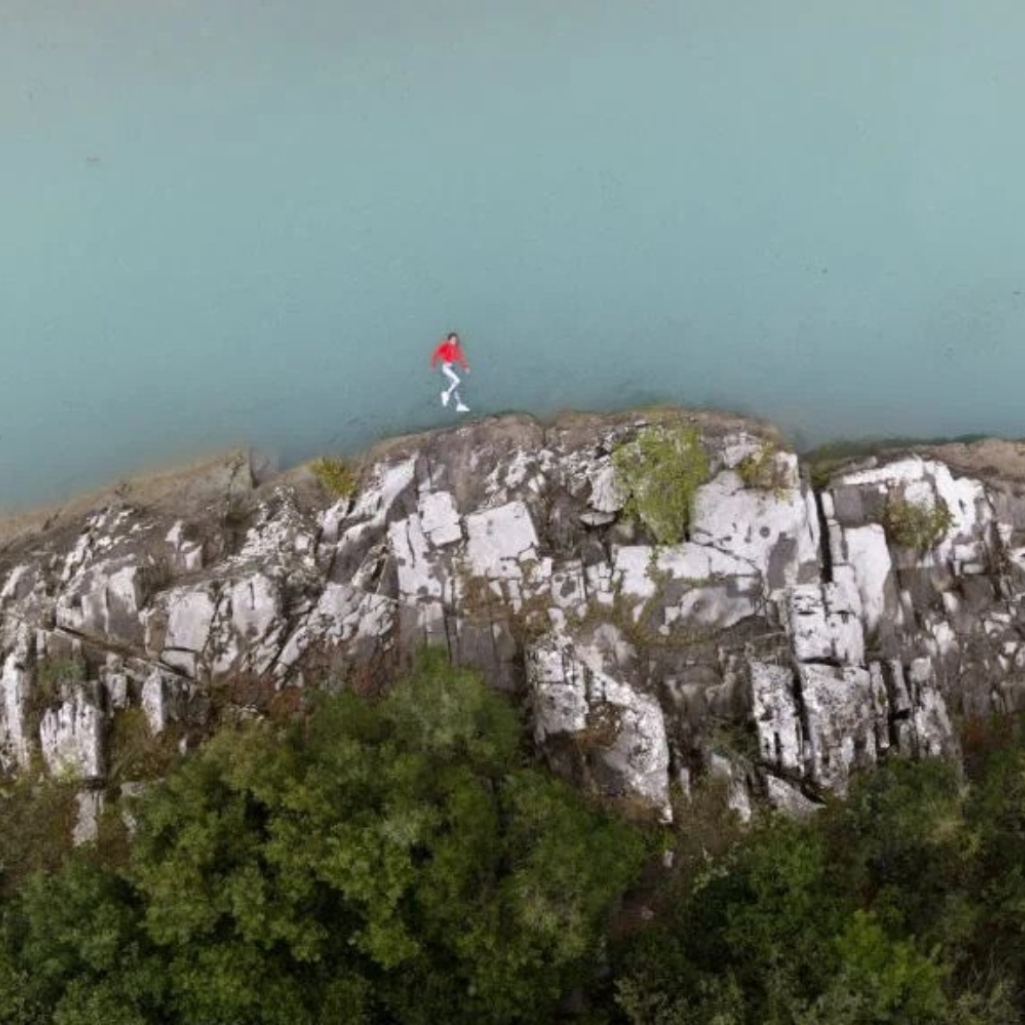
x=436 y=355
x=461 y=356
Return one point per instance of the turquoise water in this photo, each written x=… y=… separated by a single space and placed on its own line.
x=228 y=222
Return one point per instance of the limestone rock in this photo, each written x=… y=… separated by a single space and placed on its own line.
x=776 y=717
x=15 y=687
x=788 y=615
x=825 y=624
x=189 y=617
x=88 y=808
x=841 y=723
x=738 y=797
x=787 y=798
x=104 y=601
x=71 y=737
x=776 y=532
x=500 y=540
x=607 y=495
x=574 y=695
x=161 y=700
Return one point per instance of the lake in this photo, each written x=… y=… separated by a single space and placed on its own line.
x=226 y=222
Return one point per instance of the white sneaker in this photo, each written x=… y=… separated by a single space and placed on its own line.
x=444 y=398
x=462 y=409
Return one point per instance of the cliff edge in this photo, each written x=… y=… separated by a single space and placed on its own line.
x=787 y=636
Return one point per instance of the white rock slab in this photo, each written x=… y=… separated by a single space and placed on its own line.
x=824 y=624
x=788 y=799
x=88 y=808
x=15 y=684
x=161 y=700
x=439 y=518
x=570 y=686
x=415 y=561
x=70 y=738
x=607 y=495
x=637 y=569
x=933 y=734
x=777 y=533
x=865 y=552
x=499 y=540
x=841 y=722
x=774 y=709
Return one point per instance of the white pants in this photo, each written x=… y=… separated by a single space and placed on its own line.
x=446 y=369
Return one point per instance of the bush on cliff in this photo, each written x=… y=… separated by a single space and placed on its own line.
x=335 y=475
x=912 y=525
x=661 y=469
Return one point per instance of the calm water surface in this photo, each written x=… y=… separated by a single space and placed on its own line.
x=250 y=221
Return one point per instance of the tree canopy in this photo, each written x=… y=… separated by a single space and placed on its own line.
x=407 y=861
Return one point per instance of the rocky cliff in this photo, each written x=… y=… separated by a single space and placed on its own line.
x=797 y=634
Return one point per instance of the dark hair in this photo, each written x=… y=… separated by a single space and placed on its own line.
x=452 y=335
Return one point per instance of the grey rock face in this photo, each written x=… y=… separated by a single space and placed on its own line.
x=618 y=731
x=786 y=643
x=70 y=737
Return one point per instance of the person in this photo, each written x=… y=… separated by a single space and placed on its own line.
x=446 y=353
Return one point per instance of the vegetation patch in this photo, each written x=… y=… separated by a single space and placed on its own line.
x=738 y=738
x=916 y=526
x=641 y=620
x=396 y=861
x=764 y=471
x=37 y=815
x=335 y=475
x=134 y=753
x=407 y=860
x=486 y=601
x=52 y=676
x=661 y=469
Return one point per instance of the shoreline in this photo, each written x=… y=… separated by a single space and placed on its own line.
x=245 y=468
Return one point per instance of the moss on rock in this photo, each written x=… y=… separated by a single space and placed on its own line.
x=661 y=469
x=912 y=525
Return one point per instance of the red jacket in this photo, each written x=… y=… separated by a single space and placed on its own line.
x=449 y=352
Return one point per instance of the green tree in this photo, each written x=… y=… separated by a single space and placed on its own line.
x=899 y=843
x=402 y=856
x=880 y=981
x=74 y=940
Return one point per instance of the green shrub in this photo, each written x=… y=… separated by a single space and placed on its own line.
x=662 y=468
x=335 y=475
x=134 y=753
x=37 y=816
x=763 y=471
x=920 y=527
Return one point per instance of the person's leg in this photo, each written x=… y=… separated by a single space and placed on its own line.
x=446 y=369
x=453 y=391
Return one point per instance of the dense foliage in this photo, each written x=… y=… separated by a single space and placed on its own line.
x=405 y=861
x=397 y=861
x=904 y=904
